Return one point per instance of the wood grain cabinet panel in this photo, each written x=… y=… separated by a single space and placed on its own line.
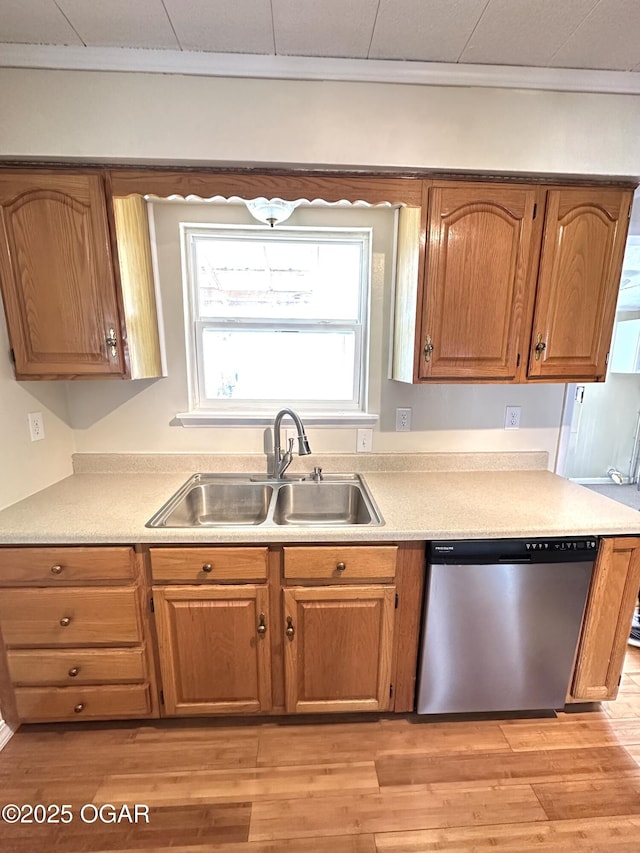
x=187 y=565
x=584 y=238
x=57 y=274
x=76 y=278
x=519 y=282
x=70 y=667
x=344 y=563
x=479 y=249
x=607 y=620
x=338 y=648
x=215 y=648
x=69 y=617
x=111 y=702
x=60 y=566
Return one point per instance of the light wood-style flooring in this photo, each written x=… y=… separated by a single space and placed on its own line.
x=569 y=782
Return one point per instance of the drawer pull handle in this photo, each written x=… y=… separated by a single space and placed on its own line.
x=262 y=625
x=290 y=631
x=79 y=708
x=65 y=621
x=56 y=570
x=340 y=567
x=207 y=568
x=73 y=671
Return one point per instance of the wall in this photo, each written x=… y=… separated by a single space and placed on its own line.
x=603 y=428
x=173 y=118
x=29 y=466
x=137 y=416
x=99 y=116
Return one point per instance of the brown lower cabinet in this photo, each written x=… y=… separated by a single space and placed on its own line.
x=320 y=629
x=76 y=638
x=605 y=631
x=339 y=648
x=214 y=648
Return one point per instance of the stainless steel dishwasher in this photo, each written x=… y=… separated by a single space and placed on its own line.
x=501 y=623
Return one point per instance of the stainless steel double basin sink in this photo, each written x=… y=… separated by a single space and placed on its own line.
x=231 y=500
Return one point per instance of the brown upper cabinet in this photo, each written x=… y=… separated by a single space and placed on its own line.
x=584 y=237
x=72 y=312
x=508 y=282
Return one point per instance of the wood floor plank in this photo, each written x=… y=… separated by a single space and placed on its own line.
x=598 y=798
x=211 y=825
x=330 y=844
x=358 y=742
x=393 y=812
x=596 y=835
x=246 y=784
x=567 y=734
x=552 y=765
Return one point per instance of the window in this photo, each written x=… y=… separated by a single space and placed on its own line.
x=277 y=316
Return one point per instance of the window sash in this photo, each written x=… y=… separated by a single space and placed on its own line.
x=353 y=404
x=197 y=326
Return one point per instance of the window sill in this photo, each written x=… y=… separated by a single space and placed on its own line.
x=258 y=419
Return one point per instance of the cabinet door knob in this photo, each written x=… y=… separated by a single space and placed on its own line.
x=340 y=567
x=73 y=671
x=290 y=630
x=79 y=708
x=65 y=621
x=55 y=570
x=112 y=342
x=207 y=568
x=540 y=346
x=428 y=348
x=262 y=625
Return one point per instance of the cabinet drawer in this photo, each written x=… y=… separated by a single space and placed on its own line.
x=348 y=563
x=69 y=617
x=55 y=566
x=208 y=564
x=76 y=666
x=42 y=704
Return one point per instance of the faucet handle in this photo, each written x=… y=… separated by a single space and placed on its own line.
x=291 y=442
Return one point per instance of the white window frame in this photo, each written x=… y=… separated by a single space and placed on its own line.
x=204 y=411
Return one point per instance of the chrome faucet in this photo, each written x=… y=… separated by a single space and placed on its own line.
x=282 y=460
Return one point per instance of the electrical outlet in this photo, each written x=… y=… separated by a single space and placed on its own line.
x=36 y=426
x=364 y=440
x=512 y=417
x=403 y=420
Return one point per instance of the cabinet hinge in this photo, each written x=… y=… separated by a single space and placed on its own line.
x=397 y=601
x=535 y=210
x=151 y=605
x=619 y=679
x=162 y=697
x=606 y=361
x=12 y=355
x=518 y=361
x=390 y=690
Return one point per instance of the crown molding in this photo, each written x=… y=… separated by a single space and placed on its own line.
x=195 y=63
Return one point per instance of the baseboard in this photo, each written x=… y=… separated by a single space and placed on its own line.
x=599 y=481
x=6 y=733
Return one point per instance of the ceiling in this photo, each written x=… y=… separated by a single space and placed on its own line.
x=561 y=34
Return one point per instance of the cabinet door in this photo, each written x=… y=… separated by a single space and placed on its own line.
x=607 y=621
x=338 y=648
x=214 y=653
x=57 y=276
x=482 y=241
x=584 y=236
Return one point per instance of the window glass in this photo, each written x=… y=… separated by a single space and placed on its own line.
x=277 y=314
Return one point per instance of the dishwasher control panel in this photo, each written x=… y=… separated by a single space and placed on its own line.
x=534 y=550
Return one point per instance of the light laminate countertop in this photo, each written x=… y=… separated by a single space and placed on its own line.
x=102 y=508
